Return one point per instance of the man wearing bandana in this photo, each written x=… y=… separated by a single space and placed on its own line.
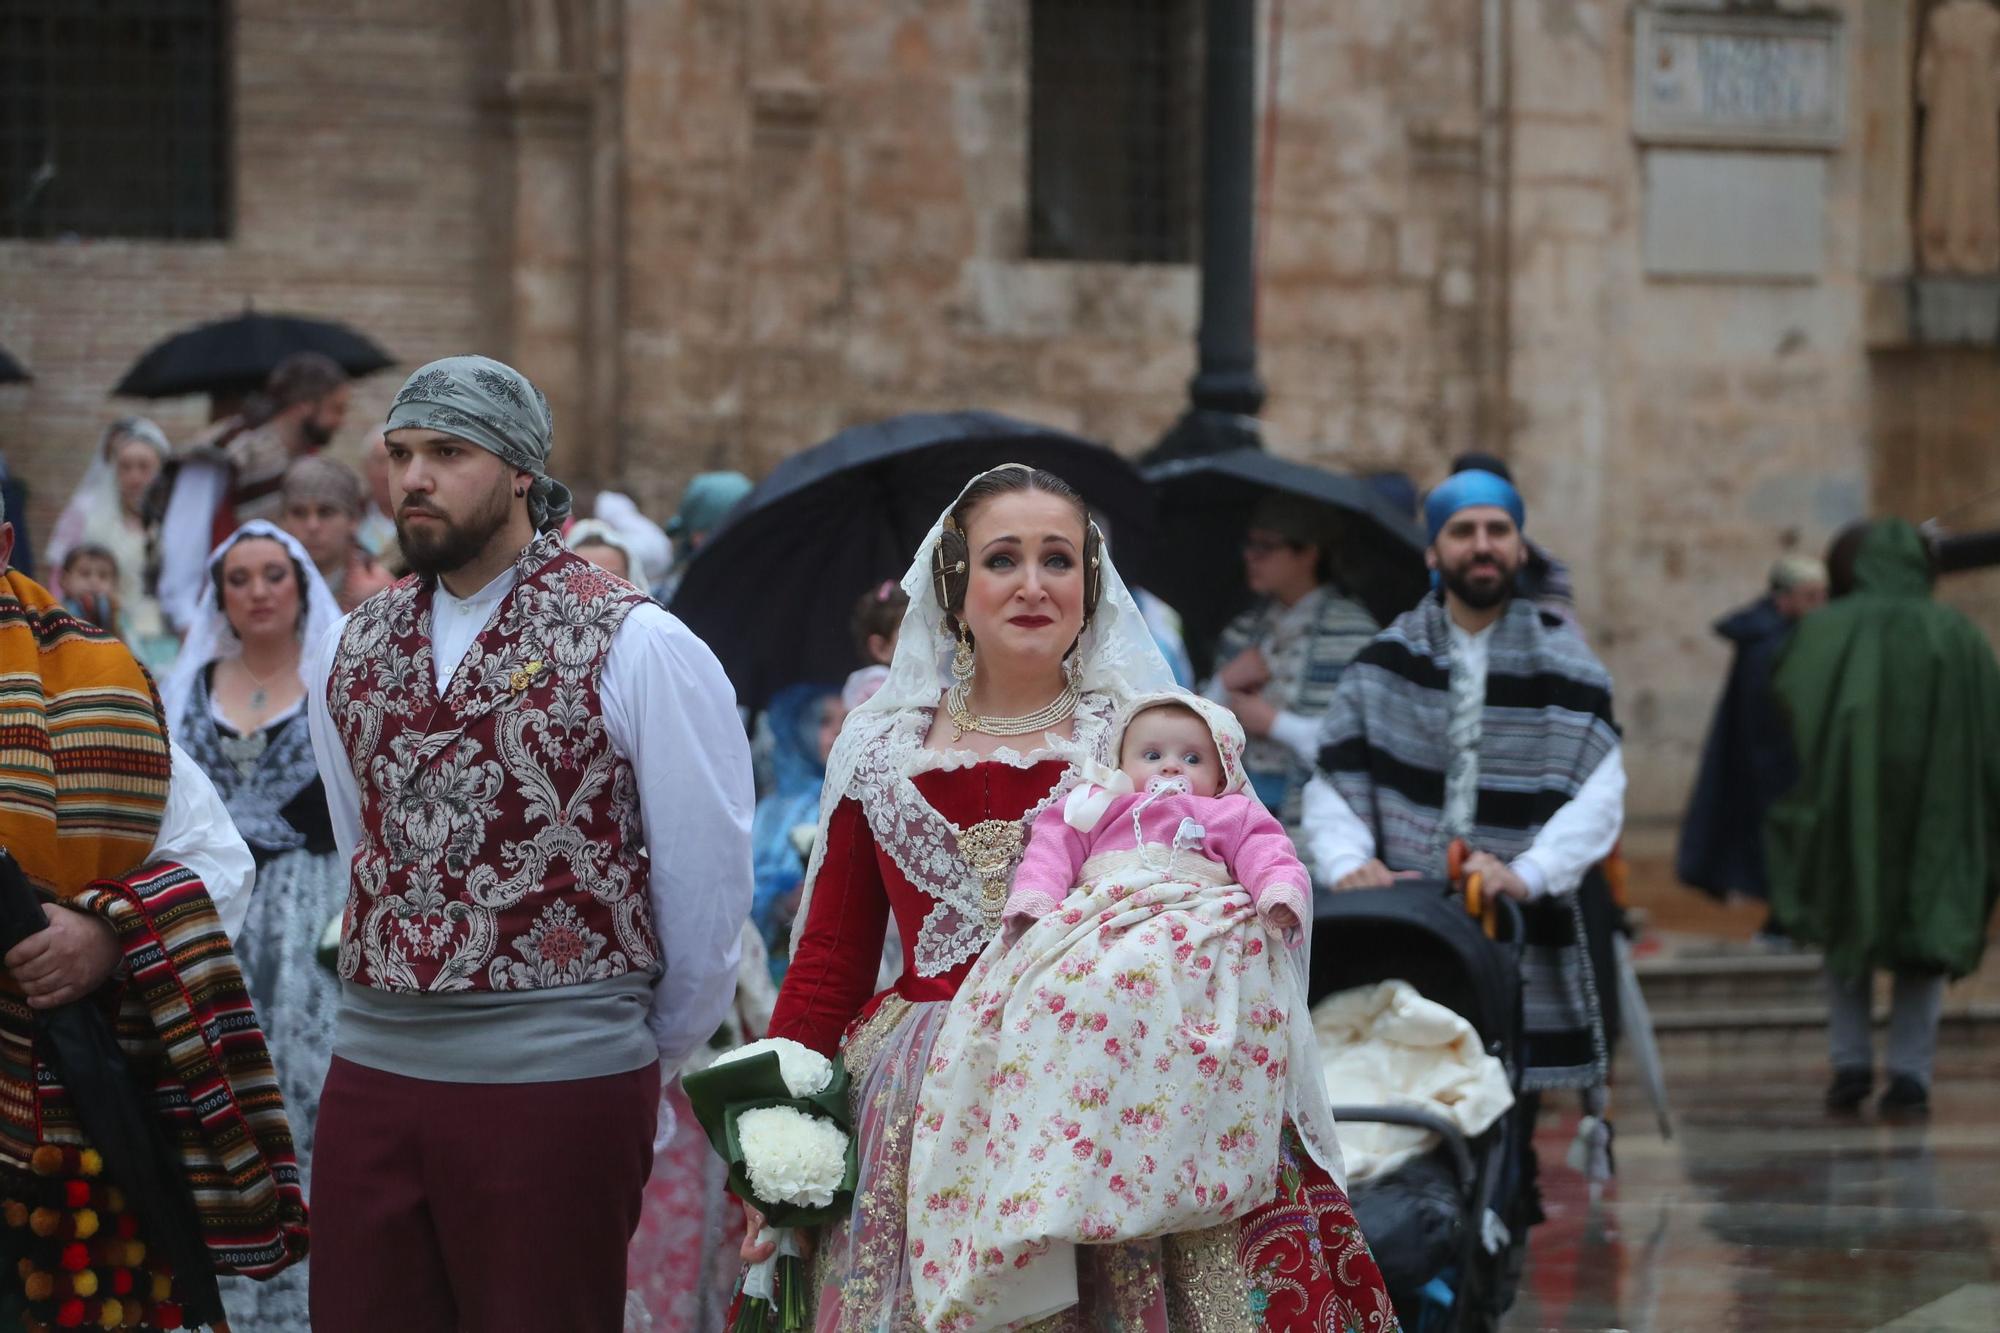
x=539 y=781
x=1478 y=715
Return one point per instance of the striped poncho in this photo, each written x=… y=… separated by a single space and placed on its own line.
x=84 y=774
x=1546 y=728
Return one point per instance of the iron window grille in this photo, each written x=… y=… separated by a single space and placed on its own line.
x=114 y=118
x=1114 y=130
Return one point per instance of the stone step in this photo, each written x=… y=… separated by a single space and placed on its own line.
x=1755 y=1033
x=1710 y=983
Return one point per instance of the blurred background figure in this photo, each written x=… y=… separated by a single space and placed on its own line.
x=803 y=721
x=236 y=704
x=90 y=579
x=1278 y=662
x=108 y=507
x=377 y=531
x=1883 y=853
x=708 y=497
x=604 y=546
x=323 y=510
x=878 y=621
x=234 y=472
x=646 y=540
x=1747 y=762
x=109 y=511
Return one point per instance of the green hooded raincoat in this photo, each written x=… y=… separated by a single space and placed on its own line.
x=1884 y=854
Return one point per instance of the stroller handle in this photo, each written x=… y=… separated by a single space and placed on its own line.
x=1454 y=1138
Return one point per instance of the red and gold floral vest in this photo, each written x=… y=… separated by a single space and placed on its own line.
x=501 y=847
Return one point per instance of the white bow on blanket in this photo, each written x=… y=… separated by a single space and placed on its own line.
x=1093 y=795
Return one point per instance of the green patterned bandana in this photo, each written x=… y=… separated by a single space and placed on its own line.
x=483 y=402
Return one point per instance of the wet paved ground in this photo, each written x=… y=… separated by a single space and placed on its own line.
x=1764 y=1213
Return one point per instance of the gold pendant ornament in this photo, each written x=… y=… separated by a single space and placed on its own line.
x=991 y=847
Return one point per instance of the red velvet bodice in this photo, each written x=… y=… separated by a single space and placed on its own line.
x=837 y=952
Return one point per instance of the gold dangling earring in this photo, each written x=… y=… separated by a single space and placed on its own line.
x=1073 y=670
x=961 y=658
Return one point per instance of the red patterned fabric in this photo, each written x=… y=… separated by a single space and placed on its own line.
x=1310 y=1268
x=501 y=845
x=831 y=977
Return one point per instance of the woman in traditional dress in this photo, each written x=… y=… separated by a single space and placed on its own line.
x=1020 y=644
x=236 y=704
x=108 y=510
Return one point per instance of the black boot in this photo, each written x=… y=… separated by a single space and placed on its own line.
x=1850 y=1088
x=1904 y=1099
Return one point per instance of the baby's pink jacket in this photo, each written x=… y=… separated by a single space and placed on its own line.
x=1236 y=831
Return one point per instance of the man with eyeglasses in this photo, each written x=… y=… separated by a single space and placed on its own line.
x=1280 y=660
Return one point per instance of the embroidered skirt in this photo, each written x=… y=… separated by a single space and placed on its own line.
x=1297 y=1262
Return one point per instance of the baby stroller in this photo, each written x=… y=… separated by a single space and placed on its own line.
x=1448 y=1229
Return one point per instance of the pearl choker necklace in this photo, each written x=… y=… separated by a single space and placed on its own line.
x=964 y=719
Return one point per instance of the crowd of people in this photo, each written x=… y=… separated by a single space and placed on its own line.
x=498 y=856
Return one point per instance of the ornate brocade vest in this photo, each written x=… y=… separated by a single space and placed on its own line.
x=501 y=847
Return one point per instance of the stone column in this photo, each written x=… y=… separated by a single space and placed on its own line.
x=560 y=244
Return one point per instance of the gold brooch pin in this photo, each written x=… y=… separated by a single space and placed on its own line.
x=522 y=675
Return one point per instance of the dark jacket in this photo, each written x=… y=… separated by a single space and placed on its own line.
x=1746 y=765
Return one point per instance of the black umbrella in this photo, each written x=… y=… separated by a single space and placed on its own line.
x=77 y=1041
x=12 y=371
x=1204 y=507
x=235 y=356
x=772 y=590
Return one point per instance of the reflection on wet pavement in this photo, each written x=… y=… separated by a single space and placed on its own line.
x=1764 y=1213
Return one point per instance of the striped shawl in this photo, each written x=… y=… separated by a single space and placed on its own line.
x=1547 y=726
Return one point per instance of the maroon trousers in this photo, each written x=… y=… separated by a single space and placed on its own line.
x=497 y=1207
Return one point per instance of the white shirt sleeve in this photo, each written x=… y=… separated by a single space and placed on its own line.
x=1339 y=840
x=1297 y=733
x=187 y=533
x=672 y=715
x=196 y=832
x=343 y=798
x=1578 y=835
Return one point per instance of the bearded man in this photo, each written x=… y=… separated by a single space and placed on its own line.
x=1480 y=716
x=233 y=473
x=540 y=783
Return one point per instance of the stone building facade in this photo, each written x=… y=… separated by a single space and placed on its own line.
x=717 y=230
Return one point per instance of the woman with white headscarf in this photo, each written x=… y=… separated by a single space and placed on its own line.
x=107 y=509
x=1019 y=647
x=236 y=702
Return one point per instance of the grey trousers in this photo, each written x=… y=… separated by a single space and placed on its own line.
x=1916 y=1001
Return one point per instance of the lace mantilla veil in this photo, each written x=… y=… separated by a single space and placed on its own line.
x=210 y=638
x=882 y=744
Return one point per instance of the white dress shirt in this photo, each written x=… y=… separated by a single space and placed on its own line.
x=1577 y=836
x=187 y=535
x=196 y=832
x=671 y=714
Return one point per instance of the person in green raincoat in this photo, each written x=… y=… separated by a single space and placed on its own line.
x=1884 y=854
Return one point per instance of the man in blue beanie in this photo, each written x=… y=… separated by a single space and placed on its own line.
x=1479 y=716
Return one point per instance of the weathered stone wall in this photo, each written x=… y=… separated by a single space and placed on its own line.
x=365 y=155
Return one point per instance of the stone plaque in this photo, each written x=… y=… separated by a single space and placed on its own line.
x=1752 y=81
x=1744 y=215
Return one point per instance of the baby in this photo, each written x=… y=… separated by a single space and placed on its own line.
x=1130 y=1058
x=1180 y=787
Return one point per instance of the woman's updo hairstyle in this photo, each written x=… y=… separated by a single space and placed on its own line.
x=951 y=566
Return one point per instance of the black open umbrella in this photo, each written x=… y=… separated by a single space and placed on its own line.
x=78 y=1042
x=235 y=356
x=1204 y=506
x=772 y=590
x=12 y=371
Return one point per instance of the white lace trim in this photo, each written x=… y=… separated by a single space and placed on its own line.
x=924 y=844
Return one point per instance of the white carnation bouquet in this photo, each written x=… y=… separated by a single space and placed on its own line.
x=777 y=1112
